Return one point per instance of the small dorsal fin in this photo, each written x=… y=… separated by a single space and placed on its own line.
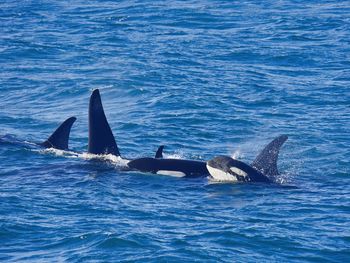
x=101 y=139
x=159 y=153
x=59 y=139
x=266 y=162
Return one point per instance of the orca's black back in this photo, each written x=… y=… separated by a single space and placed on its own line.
x=189 y=167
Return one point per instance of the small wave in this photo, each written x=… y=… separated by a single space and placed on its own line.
x=114 y=241
x=12 y=139
x=282 y=179
x=212 y=181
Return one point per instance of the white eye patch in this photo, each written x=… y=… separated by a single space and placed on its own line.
x=238 y=171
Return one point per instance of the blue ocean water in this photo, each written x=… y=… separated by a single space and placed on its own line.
x=202 y=77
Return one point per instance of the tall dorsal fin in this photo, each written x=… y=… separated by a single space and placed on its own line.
x=159 y=153
x=101 y=139
x=59 y=139
x=266 y=162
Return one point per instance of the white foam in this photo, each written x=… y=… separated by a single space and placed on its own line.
x=58 y=152
x=116 y=160
x=284 y=178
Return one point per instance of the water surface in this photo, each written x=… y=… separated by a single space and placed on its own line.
x=202 y=77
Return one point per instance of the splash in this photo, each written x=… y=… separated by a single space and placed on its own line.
x=174 y=156
x=287 y=176
x=116 y=160
x=236 y=155
x=212 y=180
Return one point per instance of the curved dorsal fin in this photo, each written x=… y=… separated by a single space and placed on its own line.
x=59 y=139
x=101 y=139
x=266 y=162
x=159 y=153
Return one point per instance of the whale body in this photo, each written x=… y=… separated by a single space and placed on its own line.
x=171 y=167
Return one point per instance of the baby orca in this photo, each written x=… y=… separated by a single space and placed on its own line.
x=263 y=169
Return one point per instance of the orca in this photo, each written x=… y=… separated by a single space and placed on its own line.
x=263 y=169
x=59 y=139
x=102 y=141
x=171 y=167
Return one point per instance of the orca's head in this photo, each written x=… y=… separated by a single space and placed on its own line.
x=224 y=168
